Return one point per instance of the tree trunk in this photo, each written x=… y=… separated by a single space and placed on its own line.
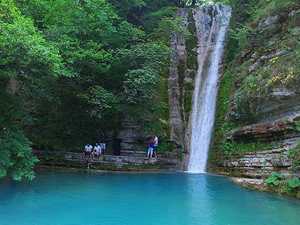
x=11 y=86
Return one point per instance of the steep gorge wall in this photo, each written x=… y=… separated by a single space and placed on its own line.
x=181 y=82
x=175 y=89
x=260 y=129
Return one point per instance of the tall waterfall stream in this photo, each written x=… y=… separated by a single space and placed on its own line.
x=211 y=26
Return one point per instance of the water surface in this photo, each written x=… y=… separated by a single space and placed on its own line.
x=80 y=198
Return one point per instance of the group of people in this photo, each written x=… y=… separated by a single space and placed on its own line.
x=98 y=149
x=152 y=147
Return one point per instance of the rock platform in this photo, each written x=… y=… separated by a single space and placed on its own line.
x=108 y=162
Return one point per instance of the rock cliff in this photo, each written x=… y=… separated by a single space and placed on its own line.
x=257 y=129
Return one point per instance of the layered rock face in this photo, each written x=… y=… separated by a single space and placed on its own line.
x=267 y=117
x=281 y=137
x=133 y=138
x=278 y=132
x=258 y=164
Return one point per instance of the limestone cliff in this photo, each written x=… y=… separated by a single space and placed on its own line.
x=258 y=119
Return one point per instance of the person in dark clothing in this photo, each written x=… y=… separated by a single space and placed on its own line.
x=150 y=148
x=103 y=141
x=117 y=149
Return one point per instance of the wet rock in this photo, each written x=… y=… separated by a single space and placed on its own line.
x=268 y=21
x=268 y=132
x=281 y=93
x=296 y=31
x=293 y=13
x=248 y=180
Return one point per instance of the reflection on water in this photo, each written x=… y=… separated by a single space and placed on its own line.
x=78 y=198
x=198 y=200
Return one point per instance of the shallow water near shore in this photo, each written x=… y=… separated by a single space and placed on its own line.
x=174 y=198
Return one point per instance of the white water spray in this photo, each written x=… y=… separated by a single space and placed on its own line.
x=211 y=26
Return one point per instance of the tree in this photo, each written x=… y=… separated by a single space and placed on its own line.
x=16 y=157
x=27 y=58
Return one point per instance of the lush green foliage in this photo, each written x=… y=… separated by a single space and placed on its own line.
x=268 y=56
x=294 y=155
x=274 y=178
x=16 y=158
x=69 y=69
x=283 y=185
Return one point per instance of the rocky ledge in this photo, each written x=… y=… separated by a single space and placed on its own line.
x=255 y=184
x=107 y=162
x=258 y=164
x=268 y=132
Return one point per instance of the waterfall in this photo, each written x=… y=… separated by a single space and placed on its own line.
x=211 y=26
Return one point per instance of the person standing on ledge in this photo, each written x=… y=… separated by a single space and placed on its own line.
x=87 y=151
x=155 y=146
x=103 y=140
x=150 y=149
x=118 y=145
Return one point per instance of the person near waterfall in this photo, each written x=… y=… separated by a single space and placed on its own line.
x=150 y=149
x=155 y=146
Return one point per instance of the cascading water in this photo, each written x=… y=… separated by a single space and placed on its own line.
x=211 y=26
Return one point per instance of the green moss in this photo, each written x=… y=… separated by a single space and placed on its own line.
x=221 y=126
x=165 y=146
x=188 y=87
x=192 y=74
x=187 y=102
x=181 y=72
x=224 y=92
x=238 y=149
x=191 y=43
x=181 y=76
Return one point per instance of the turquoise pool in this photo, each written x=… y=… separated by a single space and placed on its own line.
x=80 y=198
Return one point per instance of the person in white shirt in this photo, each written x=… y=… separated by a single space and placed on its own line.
x=97 y=151
x=155 y=145
x=87 y=151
